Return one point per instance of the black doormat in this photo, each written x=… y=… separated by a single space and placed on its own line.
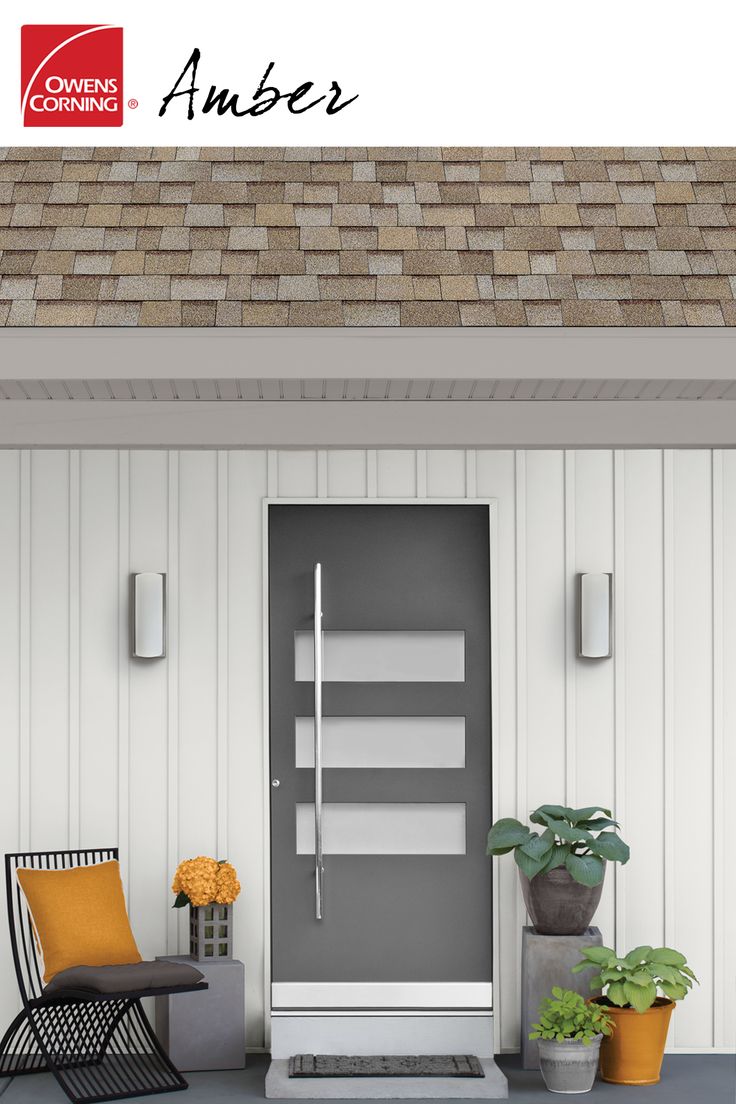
x=379 y=1065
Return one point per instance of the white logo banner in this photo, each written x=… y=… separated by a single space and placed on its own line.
x=379 y=73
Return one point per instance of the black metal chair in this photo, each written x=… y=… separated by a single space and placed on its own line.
x=98 y=1045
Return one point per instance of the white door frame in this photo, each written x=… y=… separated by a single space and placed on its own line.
x=492 y=506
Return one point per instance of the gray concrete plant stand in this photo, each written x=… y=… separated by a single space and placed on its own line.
x=546 y=960
x=206 y=1030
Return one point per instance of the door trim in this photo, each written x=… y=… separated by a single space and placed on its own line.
x=372 y=500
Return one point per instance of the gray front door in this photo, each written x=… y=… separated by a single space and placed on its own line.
x=406 y=753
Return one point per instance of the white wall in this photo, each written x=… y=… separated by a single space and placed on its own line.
x=165 y=758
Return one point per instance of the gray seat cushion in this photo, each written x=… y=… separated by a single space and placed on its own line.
x=135 y=977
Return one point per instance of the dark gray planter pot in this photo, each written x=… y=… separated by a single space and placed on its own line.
x=557 y=904
x=569 y=1067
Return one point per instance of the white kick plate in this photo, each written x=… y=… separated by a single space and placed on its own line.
x=323 y=995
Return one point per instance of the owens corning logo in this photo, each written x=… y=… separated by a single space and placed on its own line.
x=71 y=76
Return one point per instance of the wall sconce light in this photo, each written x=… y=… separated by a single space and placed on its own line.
x=594 y=615
x=149 y=621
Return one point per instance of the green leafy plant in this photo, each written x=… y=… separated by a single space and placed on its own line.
x=633 y=981
x=573 y=838
x=566 y=1015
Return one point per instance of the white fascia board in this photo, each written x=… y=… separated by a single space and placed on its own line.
x=365 y=353
x=320 y=424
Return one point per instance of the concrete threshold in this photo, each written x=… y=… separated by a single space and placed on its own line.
x=279 y=1086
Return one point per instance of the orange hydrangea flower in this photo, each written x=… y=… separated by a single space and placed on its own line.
x=228 y=886
x=204 y=880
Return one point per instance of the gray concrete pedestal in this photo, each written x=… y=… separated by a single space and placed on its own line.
x=547 y=960
x=205 y=1030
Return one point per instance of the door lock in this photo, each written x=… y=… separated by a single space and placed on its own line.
x=275 y=783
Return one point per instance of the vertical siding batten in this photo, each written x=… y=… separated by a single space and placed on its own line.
x=266 y=708
x=521 y=671
x=223 y=576
x=495 y=749
x=74 y=673
x=10 y=693
x=718 y=818
x=123 y=642
x=668 y=764
x=172 y=687
x=727 y=888
x=619 y=688
x=521 y=690
x=24 y=653
x=570 y=633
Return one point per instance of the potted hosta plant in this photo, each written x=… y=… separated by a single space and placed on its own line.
x=633 y=1054
x=561 y=869
x=569 y=1033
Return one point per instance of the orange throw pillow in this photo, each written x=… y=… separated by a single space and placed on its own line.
x=79 y=916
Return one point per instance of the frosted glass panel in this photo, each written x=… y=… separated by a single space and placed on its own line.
x=410 y=656
x=383 y=829
x=383 y=742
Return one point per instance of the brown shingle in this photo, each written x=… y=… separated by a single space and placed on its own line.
x=511 y=261
x=591 y=313
x=560 y=214
x=642 y=312
x=372 y=314
x=543 y=314
x=316 y=314
x=265 y=314
x=430 y=314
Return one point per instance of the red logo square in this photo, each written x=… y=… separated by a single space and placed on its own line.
x=71 y=76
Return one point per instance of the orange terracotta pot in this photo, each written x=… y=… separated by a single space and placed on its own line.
x=633 y=1054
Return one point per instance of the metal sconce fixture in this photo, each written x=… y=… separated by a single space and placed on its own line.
x=149 y=620
x=594 y=615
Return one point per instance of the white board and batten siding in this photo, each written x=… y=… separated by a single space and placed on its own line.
x=165 y=758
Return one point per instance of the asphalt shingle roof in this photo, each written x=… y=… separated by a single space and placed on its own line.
x=368 y=237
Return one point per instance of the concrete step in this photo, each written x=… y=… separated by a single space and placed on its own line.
x=279 y=1086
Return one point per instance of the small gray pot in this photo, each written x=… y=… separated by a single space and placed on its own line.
x=570 y=1066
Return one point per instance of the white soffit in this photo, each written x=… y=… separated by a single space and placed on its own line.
x=413 y=388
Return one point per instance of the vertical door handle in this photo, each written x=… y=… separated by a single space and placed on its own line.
x=318 y=674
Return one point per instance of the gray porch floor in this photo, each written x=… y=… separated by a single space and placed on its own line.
x=686 y=1078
